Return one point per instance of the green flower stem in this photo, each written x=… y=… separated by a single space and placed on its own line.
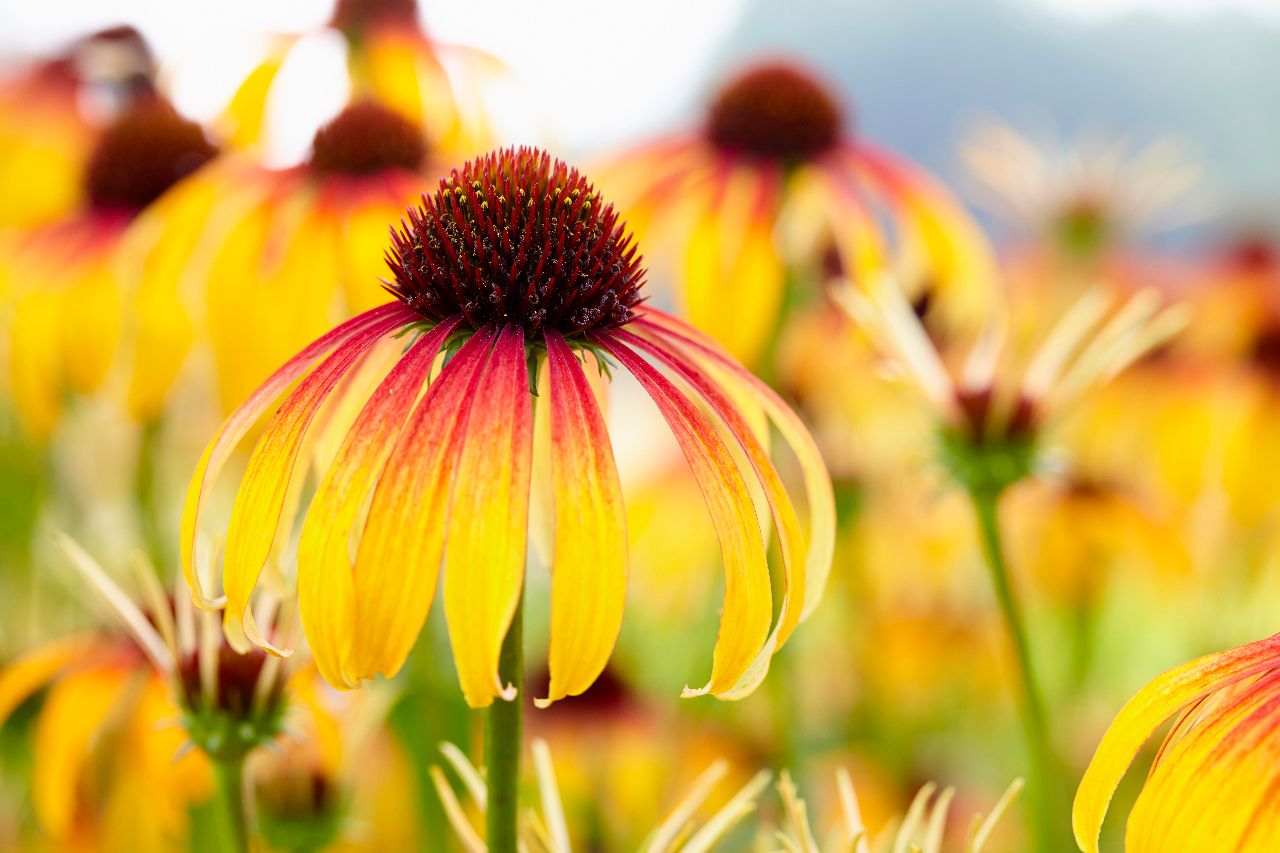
x=1048 y=823
x=233 y=827
x=504 y=741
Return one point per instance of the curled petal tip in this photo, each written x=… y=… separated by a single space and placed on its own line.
x=689 y=693
x=543 y=704
x=211 y=605
x=508 y=693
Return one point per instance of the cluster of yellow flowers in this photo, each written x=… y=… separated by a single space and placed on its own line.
x=763 y=344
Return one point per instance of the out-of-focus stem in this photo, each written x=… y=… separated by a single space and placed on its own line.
x=1049 y=829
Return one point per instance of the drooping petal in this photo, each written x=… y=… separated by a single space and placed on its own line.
x=255 y=515
x=733 y=243
x=1215 y=775
x=239 y=422
x=276 y=259
x=33 y=670
x=161 y=256
x=790 y=538
x=398 y=559
x=72 y=718
x=1145 y=713
x=748 y=602
x=938 y=235
x=326 y=592
x=817 y=483
x=487 y=532
x=589 y=565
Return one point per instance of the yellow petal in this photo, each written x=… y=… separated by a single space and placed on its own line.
x=326 y=594
x=589 y=566
x=1215 y=776
x=255 y=516
x=748 y=597
x=1143 y=715
x=734 y=278
x=240 y=422
x=69 y=723
x=36 y=668
x=487 y=533
x=244 y=119
x=398 y=560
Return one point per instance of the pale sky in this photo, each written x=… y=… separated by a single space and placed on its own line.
x=591 y=73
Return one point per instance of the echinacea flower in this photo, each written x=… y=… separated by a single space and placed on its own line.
x=997 y=407
x=336 y=776
x=749 y=209
x=51 y=113
x=994 y=418
x=67 y=280
x=1214 y=780
x=1086 y=198
x=392 y=60
x=127 y=693
x=512 y=266
x=302 y=243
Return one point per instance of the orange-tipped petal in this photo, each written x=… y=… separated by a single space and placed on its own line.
x=1145 y=713
x=326 y=591
x=74 y=714
x=35 y=669
x=938 y=234
x=239 y=422
x=589 y=566
x=790 y=538
x=261 y=497
x=1215 y=776
x=732 y=246
x=398 y=560
x=748 y=599
x=817 y=483
x=488 y=524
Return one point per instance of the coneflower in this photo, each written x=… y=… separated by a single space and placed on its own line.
x=750 y=212
x=995 y=415
x=512 y=266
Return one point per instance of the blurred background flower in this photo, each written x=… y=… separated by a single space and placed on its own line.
x=191 y=194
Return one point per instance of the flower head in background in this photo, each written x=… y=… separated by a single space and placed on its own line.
x=1213 y=783
x=514 y=263
x=336 y=775
x=258 y=244
x=393 y=61
x=69 y=317
x=751 y=211
x=1083 y=199
x=995 y=411
x=110 y=722
x=51 y=113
